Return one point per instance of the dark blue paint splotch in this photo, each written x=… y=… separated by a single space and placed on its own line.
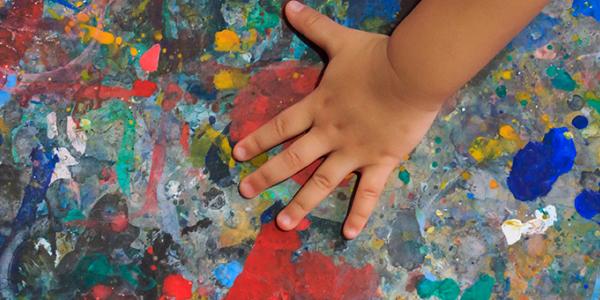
x=43 y=166
x=537 y=34
x=587 y=204
x=589 y=8
x=360 y=11
x=537 y=166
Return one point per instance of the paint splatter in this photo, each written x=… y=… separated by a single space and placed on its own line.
x=587 y=204
x=514 y=229
x=227 y=273
x=538 y=165
x=588 y=8
x=149 y=60
x=446 y=289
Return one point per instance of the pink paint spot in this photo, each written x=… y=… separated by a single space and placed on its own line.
x=149 y=60
x=119 y=223
x=101 y=292
x=269 y=272
x=176 y=287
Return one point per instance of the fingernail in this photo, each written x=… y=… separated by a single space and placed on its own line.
x=246 y=189
x=284 y=220
x=351 y=233
x=239 y=152
x=295 y=6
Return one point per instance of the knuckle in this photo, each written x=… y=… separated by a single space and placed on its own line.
x=361 y=216
x=266 y=178
x=313 y=20
x=280 y=126
x=301 y=206
x=369 y=194
x=322 y=181
x=293 y=158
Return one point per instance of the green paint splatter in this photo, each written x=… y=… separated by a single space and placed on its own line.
x=404 y=176
x=92 y=270
x=480 y=290
x=73 y=215
x=561 y=79
x=524 y=103
x=261 y=20
x=501 y=91
x=110 y=113
x=446 y=289
x=434 y=164
x=437 y=140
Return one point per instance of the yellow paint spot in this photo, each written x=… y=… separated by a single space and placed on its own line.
x=568 y=135
x=377 y=243
x=507 y=75
x=546 y=120
x=160 y=98
x=119 y=40
x=483 y=148
x=295 y=75
x=227 y=40
x=493 y=184
x=140 y=8
x=102 y=37
x=222 y=142
x=158 y=36
x=230 y=79
x=466 y=175
x=430 y=229
x=439 y=213
x=3 y=127
x=133 y=51
x=205 y=57
x=250 y=39
x=444 y=184
x=54 y=15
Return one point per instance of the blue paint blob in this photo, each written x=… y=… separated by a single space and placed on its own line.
x=580 y=122
x=270 y=213
x=1 y=140
x=227 y=273
x=587 y=204
x=360 y=11
x=4 y=98
x=35 y=192
x=11 y=81
x=538 y=165
x=537 y=34
x=589 y=8
x=470 y=196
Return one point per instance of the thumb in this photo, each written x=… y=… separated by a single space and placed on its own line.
x=318 y=28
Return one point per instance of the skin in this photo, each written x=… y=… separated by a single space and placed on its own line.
x=377 y=99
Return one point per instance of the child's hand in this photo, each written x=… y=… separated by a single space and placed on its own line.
x=359 y=117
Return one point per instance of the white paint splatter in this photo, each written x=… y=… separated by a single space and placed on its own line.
x=61 y=170
x=77 y=136
x=52 y=130
x=514 y=229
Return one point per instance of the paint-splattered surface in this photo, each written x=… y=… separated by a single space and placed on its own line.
x=117 y=120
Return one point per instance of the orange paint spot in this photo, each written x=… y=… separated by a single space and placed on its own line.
x=493 y=184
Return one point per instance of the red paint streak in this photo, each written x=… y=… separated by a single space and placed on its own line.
x=101 y=292
x=149 y=60
x=119 y=223
x=150 y=250
x=184 y=139
x=156 y=172
x=82 y=93
x=18 y=29
x=269 y=272
x=176 y=287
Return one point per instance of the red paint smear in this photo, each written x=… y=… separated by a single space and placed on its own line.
x=267 y=94
x=158 y=165
x=119 y=223
x=101 y=292
x=303 y=225
x=176 y=287
x=149 y=60
x=184 y=139
x=269 y=272
x=172 y=96
x=150 y=250
x=17 y=30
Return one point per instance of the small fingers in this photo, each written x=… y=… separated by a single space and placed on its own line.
x=287 y=163
x=323 y=181
x=287 y=124
x=370 y=186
